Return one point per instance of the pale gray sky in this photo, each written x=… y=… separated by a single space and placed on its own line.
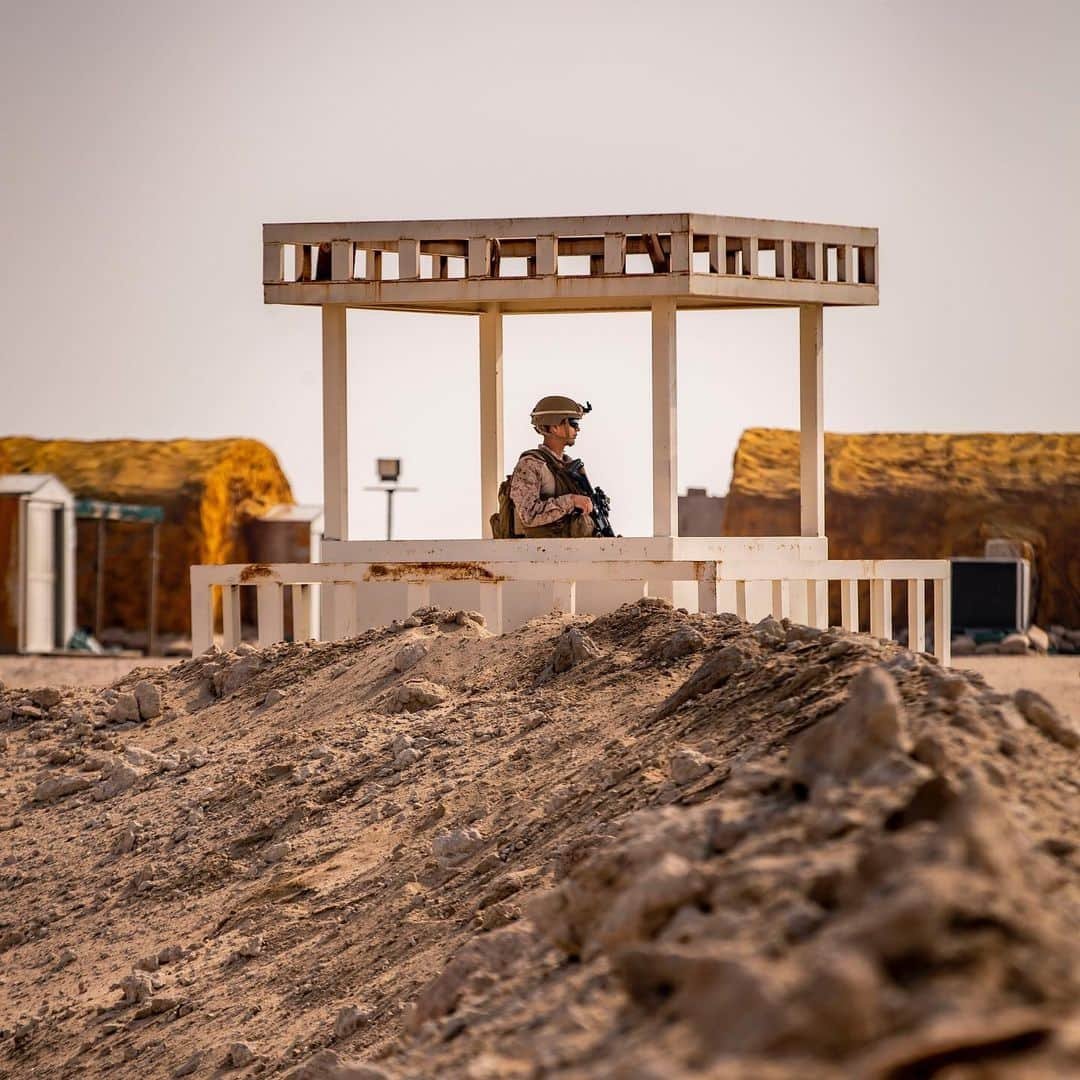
x=145 y=143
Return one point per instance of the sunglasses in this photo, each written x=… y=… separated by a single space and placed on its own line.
x=575 y=424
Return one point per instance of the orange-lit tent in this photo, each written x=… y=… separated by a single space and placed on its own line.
x=208 y=490
x=901 y=494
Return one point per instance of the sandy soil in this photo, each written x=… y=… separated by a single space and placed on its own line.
x=85 y=670
x=651 y=846
x=1057 y=678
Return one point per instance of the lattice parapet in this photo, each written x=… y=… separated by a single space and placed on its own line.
x=572 y=263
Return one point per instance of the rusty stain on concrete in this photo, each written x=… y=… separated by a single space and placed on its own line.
x=255 y=570
x=437 y=571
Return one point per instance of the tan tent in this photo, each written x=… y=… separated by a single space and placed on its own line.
x=925 y=495
x=209 y=490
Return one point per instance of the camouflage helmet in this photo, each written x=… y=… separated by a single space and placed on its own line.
x=552 y=410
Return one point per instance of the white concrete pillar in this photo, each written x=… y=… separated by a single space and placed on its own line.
x=491 y=415
x=202 y=617
x=811 y=422
x=664 y=420
x=335 y=387
x=335 y=423
x=812 y=447
x=942 y=622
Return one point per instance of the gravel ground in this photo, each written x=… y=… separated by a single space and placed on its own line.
x=1057 y=678
x=648 y=846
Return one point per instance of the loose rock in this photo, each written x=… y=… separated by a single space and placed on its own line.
x=45 y=697
x=1039 y=712
x=148 y=699
x=868 y=728
x=348 y=1020
x=1013 y=645
x=124 y=709
x=136 y=988
x=59 y=787
x=240 y=1054
x=714 y=671
x=684 y=641
x=190 y=1065
x=455 y=846
x=410 y=655
x=688 y=765
x=573 y=647
x=275 y=852
x=417 y=695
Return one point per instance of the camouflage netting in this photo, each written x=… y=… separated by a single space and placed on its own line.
x=925 y=496
x=208 y=489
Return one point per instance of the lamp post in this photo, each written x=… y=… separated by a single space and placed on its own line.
x=388 y=470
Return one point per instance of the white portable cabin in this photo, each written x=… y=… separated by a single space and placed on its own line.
x=37 y=552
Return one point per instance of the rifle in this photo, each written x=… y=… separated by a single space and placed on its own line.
x=601 y=503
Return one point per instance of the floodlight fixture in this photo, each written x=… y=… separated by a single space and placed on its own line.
x=389 y=469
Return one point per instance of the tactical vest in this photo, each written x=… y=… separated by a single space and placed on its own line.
x=504 y=523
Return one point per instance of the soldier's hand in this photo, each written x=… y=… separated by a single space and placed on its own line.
x=582 y=503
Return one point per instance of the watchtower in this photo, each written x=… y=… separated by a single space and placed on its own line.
x=493 y=268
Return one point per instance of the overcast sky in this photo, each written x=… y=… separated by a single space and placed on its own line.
x=145 y=143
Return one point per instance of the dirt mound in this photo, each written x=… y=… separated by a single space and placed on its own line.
x=647 y=845
x=926 y=495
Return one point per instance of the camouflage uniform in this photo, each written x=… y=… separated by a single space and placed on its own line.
x=532 y=489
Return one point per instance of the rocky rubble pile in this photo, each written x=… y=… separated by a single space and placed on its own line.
x=648 y=845
x=1032 y=642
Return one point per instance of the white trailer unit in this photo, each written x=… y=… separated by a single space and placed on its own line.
x=37 y=557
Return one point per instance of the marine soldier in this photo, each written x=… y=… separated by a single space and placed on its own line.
x=545 y=500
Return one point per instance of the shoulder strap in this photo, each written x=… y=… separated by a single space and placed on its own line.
x=538 y=454
x=542 y=453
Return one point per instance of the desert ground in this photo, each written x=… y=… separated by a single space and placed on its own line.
x=646 y=845
x=88 y=669
x=1057 y=678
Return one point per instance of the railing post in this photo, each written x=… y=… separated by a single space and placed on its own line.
x=849 y=605
x=202 y=624
x=881 y=608
x=707 y=589
x=564 y=597
x=916 y=614
x=301 y=612
x=273 y=264
x=343 y=614
x=417 y=595
x=943 y=620
x=271 y=613
x=817 y=604
x=547 y=256
x=408 y=259
x=497 y=619
x=230 y=616
x=781 y=598
x=342 y=257
x=614 y=253
x=740 y=599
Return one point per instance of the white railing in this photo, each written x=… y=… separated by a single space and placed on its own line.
x=376 y=251
x=784 y=577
